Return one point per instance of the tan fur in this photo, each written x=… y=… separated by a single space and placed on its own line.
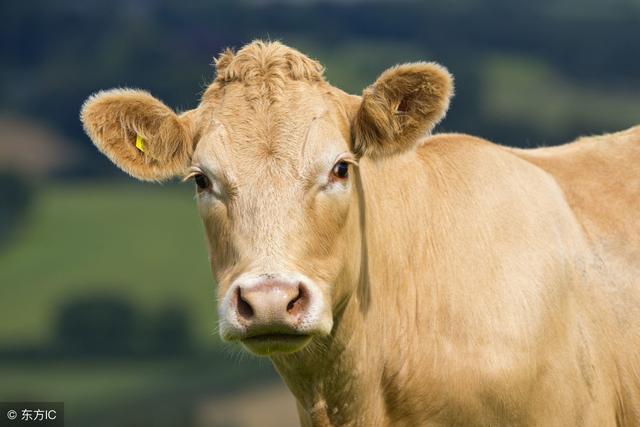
x=611 y=194
x=469 y=284
x=261 y=61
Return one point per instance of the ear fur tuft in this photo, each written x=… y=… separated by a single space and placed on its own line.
x=113 y=119
x=404 y=103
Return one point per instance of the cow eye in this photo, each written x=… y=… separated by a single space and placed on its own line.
x=202 y=182
x=340 y=170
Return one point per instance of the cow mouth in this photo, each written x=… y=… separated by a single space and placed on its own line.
x=272 y=343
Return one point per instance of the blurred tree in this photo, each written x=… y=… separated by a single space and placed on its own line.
x=97 y=326
x=170 y=331
x=104 y=326
x=15 y=199
x=165 y=46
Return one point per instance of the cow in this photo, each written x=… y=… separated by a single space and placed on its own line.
x=395 y=276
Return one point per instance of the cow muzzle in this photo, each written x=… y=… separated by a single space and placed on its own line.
x=274 y=313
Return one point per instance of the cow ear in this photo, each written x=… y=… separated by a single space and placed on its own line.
x=404 y=103
x=139 y=133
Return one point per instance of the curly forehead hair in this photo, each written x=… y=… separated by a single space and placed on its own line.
x=260 y=62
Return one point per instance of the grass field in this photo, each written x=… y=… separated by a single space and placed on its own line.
x=140 y=241
x=114 y=390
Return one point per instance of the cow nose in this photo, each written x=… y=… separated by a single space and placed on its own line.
x=271 y=303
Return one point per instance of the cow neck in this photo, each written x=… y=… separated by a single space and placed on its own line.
x=332 y=378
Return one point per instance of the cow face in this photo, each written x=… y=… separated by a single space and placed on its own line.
x=275 y=182
x=273 y=151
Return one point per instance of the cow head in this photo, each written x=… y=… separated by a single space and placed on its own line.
x=273 y=150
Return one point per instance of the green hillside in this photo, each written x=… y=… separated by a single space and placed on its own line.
x=140 y=241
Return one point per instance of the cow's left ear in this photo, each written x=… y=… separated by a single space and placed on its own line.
x=139 y=133
x=404 y=103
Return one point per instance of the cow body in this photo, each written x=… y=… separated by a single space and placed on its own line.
x=397 y=279
x=481 y=301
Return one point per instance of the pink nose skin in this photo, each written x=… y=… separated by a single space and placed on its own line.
x=271 y=305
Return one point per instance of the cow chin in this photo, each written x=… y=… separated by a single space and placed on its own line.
x=271 y=344
x=276 y=339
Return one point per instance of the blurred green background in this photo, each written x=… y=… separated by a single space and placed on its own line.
x=106 y=299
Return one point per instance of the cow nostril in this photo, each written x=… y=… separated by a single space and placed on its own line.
x=299 y=303
x=244 y=308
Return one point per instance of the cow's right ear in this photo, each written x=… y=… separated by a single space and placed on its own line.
x=139 y=133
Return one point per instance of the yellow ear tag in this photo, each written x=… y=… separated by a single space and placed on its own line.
x=139 y=143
